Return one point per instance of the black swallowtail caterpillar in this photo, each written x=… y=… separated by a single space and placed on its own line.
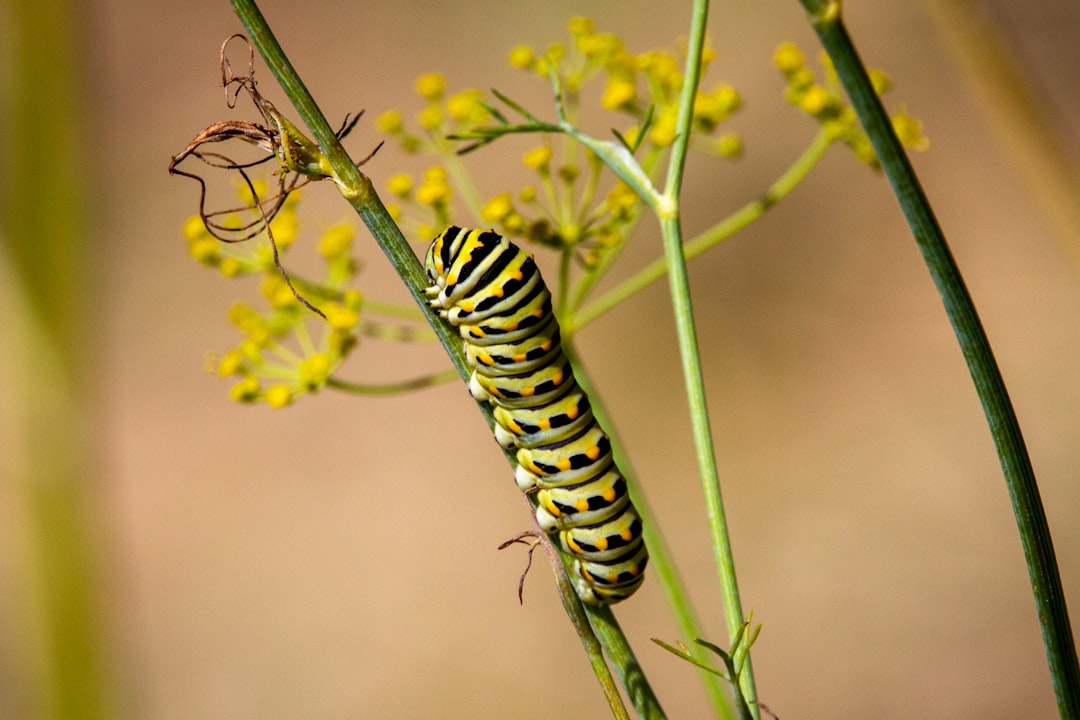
x=492 y=291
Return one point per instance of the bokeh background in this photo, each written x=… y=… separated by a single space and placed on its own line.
x=337 y=559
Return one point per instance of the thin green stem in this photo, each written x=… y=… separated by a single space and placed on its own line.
x=1001 y=418
x=671 y=230
x=404 y=312
x=711 y=237
x=611 y=636
x=703 y=444
x=439 y=378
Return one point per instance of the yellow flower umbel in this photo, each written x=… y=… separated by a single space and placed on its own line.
x=279 y=359
x=825 y=102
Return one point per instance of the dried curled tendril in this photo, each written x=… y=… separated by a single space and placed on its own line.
x=300 y=158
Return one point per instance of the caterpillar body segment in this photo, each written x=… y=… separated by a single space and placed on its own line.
x=492 y=291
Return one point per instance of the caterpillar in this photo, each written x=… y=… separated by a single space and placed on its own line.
x=492 y=291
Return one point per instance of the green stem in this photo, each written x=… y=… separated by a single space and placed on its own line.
x=419 y=383
x=671 y=230
x=611 y=636
x=712 y=237
x=662 y=568
x=57 y=666
x=360 y=193
x=393 y=310
x=1004 y=427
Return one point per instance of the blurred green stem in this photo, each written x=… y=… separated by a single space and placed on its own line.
x=1001 y=418
x=46 y=233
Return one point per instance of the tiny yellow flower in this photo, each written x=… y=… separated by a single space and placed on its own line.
x=336 y=241
x=433 y=192
x=527 y=194
x=395 y=211
x=313 y=371
x=618 y=94
x=880 y=81
x=435 y=173
x=521 y=57
x=601 y=48
x=497 y=208
x=232 y=363
x=252 y=352
x=466 y=107
x=390 y=122
x=244 y=317
x=621 y=199
x=729 y=145
x=431 y=86
x=662 y=132
x=568 y=173
x=244 y=191
x=579 y=25
x=278 y=396
x=206 y=250
x=514 y=224
x=910 y=131
x=247 y=390
x=276 y=292
x=815 y=100
x=430 y=118
x=426 y=231
x=285 y=229
x=352 y=299
x=400 y=184
x=340 y=317
x=788 y=58
x=538 y=158
x=230 y=266
x=555 y=52
x=340 y=342
x=194 y=229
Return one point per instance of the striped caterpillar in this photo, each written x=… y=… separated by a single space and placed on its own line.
x=491 y=290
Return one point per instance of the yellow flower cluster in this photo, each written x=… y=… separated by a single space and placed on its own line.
x=237 y=259
x=277 y=360
x=442 y=115
x=825 y=102
x=634 y=83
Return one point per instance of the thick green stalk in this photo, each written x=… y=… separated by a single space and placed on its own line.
x=360 y=193
x=1004 y=427
x=61 y=669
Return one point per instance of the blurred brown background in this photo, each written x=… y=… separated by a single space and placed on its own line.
x=337 y=559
